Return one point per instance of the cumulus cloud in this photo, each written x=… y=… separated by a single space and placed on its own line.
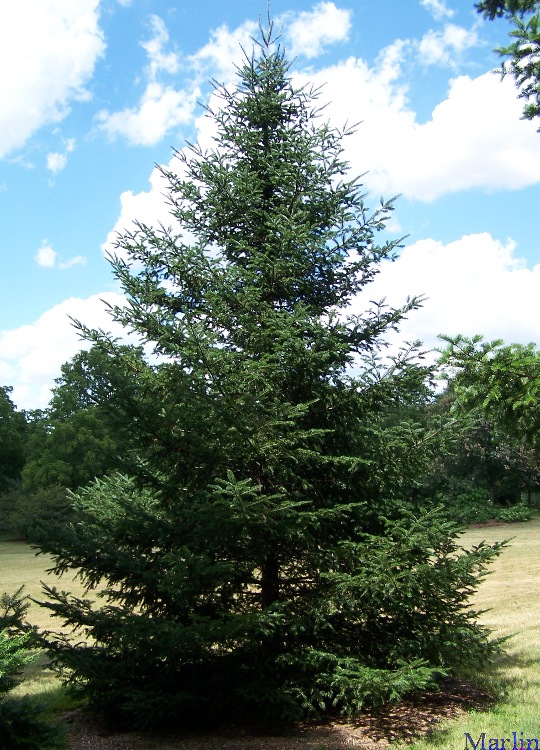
x=307 y=33
x=161 y=107
x=475 y=137
x=225 y=51
x=56 y=161
x=312 y=31
x=446 y=46
x=46 y=257
x=158 y=58
x=438 y=9
x=50 y=48
x=31 y=355
x=147 y=207
x=476 y=284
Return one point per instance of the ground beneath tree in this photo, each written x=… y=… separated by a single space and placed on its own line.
x=374 y=729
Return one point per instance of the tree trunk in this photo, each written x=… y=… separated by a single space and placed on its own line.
x=270 y=581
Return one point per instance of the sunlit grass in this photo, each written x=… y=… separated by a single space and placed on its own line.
x=510 y=594
x=20 y=566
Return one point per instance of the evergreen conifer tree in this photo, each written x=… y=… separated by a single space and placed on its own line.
x=257 y=560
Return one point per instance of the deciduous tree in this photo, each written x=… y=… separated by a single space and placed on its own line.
x=12 y=440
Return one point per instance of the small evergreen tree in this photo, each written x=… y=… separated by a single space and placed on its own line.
x=22 y=726
x=259 y=561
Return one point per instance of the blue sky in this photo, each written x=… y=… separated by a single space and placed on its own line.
x=96 y=92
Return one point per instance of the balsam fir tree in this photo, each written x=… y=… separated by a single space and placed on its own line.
x=257 y=562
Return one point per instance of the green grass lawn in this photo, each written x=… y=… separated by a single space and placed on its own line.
x=20 y=566
x=509 y=593
x=511 y=596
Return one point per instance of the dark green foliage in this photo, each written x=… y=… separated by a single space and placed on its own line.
x=493 y=394
x=498 y=8
x=23 y=728
x=495 y=462
x=65 y=446
x=75 y=439
x=365 y=633
x=259 y=562
x=21 y=509
x=13 y=608
x=473 y=506
x=15 y=731
x=14 y=652
x=467 y=504
x=515 y=514
x=524 y=52
x=13 y=656
x=12 y=441
x=500 y=380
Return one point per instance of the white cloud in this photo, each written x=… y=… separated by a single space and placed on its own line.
x=476 y=284
x=78 y=260
x=223 y=53
x=31 y=355
x=438 y=9
x=307 y=33
x=147 y=207
x=161 y=106
x=158 y=58
x=474 y=139
x=46 y=256
x=56 y=162
x=312 y=31
x=160 y=109
x=50 y=48
x=445 y=47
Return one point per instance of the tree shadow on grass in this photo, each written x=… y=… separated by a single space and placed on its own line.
x=421 y=714
x=495 y=685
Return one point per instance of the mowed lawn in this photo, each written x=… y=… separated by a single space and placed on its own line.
x=20 y=566
x=510 y=594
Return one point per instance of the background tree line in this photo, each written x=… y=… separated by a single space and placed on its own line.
x=483 y=451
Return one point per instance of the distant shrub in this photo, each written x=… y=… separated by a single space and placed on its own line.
x=514 y=514
x=469 y=506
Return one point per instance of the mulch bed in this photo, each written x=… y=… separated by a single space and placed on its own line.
x=491 y=522
x=372 y=730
